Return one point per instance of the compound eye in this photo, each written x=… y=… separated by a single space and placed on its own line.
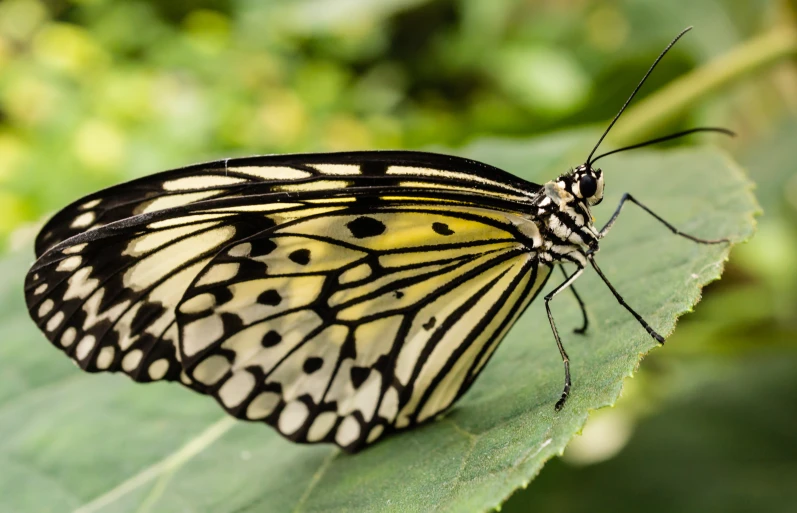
x=588 y=186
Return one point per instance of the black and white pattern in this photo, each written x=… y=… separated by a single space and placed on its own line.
x=373 y=337
x=336 y=297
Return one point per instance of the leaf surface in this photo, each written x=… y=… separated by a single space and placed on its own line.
x=70 y=440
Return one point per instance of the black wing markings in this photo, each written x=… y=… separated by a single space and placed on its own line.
x=129 y=199
x=224 y=373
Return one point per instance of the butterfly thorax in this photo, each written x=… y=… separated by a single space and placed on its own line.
x=562 y=213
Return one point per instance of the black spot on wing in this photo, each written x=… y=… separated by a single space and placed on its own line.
x=262 y=247
x=271 y=339
x=430 y=323
x=312 y=364
x=359 y=375
x=270 y=297
x=442 y=229
x=363 y=227
x=300 y=256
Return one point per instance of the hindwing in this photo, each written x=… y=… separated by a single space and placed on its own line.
x=342 y=326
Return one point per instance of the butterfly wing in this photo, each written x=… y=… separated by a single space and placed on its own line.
x=107 y=297
x=341 y=326
x=312 y=175
x=113 y=266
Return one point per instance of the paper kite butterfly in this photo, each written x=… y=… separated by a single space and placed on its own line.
x=336 y=297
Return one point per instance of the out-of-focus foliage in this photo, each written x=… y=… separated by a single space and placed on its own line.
x=93 y=92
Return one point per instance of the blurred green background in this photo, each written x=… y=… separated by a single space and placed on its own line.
x=93 y=92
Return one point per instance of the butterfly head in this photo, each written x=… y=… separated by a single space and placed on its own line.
x=586 y=184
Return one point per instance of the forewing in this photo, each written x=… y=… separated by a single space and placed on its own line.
x=315 y=177
x=342 y=326
x=178 y=188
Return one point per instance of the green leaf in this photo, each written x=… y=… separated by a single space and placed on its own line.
x=101 y=443
x=729 y=447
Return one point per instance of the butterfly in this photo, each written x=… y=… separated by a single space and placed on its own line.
x=336 y=297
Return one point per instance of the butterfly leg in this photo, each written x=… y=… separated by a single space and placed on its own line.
x=565 y=360
x=585 y=321
x=676 y=231
x=673 y=229
x=620 y=300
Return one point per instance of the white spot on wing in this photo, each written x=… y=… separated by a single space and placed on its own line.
x=375 y=433
x=105 y=357
x=157 y=239
x=292 y=417
x=240 y=250
x=348 y=431
x=68 y=336
x=262 y=405
x=211 y=369
x=272 y=172
x=390 y=403
x=368 y=395
x=85 y=346
x=55 y=321
x=198 y=304
x=321 y=426
x=83 y=220
x=218 y=273
x=90 y=204
x=194 y=220
x=158 y=369
x=200 y=182
x=236 y=389
x=176 y=200
x=46 y=307
x=337 y=169
x=79 y=284
x=313 y=186
x=132 y=359
x=202 y=333
x=77 y=248
x=69 y=264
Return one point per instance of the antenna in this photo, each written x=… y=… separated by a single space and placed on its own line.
x=666 y=138
x=617 y=116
